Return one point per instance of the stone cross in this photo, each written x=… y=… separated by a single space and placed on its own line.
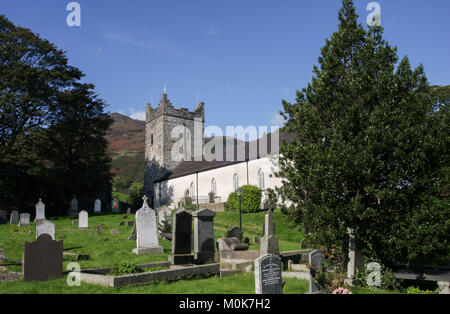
x=43 y=259
x=14 y=219
x=204 y=236
x=269 y=242
x=40 y=211
x=83 y=220
x=146 y=231
x=268 y=278
x=97 y=206
x=45 y=227
x=181 y=239
x=24 y=220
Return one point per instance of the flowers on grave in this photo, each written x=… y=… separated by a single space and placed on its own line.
x=342 y=291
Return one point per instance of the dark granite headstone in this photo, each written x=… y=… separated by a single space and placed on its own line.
x=3 y=217
x=235 y=232
x=268 y=275
x=204 y=236
x=181 y=239
x=43 y=259
x=316 y=259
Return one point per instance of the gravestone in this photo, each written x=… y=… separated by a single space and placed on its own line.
x=264 y=228
x=115 y=206
x=83 y=217
x=97 y=206
x=316 y=259
x=14 y=219
x=3 y=217
x=128 y=211
x=43 y=259
x=100 y=229
x=24 y=220
x=133 y=233
x=147 y=231
x=231 y=244
x=269 y=242
x=45 y=227
x=204 y=236
x=356 y=261
x=235 y=232
x=268 y=275
x=181 y=239
x=40 y=211
x=73 y=210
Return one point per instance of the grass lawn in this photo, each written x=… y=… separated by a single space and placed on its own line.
x=112 y=249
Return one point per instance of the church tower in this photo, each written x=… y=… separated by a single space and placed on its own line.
x=160 y=125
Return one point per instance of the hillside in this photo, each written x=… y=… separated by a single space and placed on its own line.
x=126 y=140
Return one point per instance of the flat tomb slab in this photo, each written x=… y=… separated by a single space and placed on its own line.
x=101 y=277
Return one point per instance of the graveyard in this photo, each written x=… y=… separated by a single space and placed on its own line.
x=113 y=247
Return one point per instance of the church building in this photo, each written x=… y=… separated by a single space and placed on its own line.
x=168 y=180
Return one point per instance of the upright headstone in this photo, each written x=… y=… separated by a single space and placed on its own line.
x=43 y=259
x=45 y=227
x=147 y=231
x=83 y=220
x=235 y=232
x=316 y=259
x=73 y=210
x=268 y=278
x=40 y=211
x=204 y=236
x=133 y=235
x=3 y=217
x=24 y=220
x=356 y=261
x=181 y=239
x=97 y=206
x=264 y=228
x=115 y=206
x=269 y=242
x=14 y=219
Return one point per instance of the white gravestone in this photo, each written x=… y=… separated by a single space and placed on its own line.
x=40 y=211
x=83 y=220
x=147 y=231
x=45 y=226
x=24 y=220
x=97 y=206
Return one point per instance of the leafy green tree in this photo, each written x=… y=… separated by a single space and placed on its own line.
x=250 y=200
x=371 y=152
x=52 y=127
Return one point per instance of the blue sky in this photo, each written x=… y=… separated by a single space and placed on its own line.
x=241 y=56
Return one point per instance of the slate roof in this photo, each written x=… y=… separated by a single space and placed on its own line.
x=191 y=167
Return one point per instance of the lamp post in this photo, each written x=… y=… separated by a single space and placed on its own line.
x=239 y=194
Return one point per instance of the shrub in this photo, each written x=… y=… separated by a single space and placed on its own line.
x=416 y=290
x=251 y=200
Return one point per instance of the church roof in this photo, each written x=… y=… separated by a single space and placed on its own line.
x=185 y=168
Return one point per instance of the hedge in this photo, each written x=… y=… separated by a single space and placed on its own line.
x=251 y=200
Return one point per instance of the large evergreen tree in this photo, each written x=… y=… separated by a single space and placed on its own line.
x=371 y=153
x=52 y=126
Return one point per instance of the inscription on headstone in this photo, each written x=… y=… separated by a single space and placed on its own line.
x=268 y=278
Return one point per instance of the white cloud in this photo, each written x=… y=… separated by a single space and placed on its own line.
x=137 y=115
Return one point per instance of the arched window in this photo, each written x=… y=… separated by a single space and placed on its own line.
x=235 y=182
x=261 y=183
x=213 y=186
x=192 y=191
